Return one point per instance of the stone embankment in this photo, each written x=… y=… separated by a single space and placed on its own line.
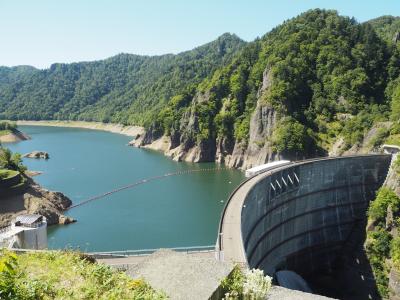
x=34 y=200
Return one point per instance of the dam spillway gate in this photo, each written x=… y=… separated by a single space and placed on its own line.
x=301 y=216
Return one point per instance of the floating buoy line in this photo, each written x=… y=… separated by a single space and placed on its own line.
x=143 y=181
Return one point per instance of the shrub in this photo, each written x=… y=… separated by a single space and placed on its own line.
x=378 y=208
x=379 y=138
x=380 y=245
x=251 y=284
x=66 y=275
x=378 y=250
x=232 y=285
x=8 y=266
x=255 y=285
x=396 y=164
x=11 y=161
x=395 y=252
x=4 y=125
x=291 y=137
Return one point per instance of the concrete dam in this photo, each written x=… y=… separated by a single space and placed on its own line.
x=302 y=217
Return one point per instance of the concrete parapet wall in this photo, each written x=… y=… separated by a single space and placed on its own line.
x=301 y=215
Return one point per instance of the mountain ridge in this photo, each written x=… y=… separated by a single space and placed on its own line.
x=319 y=83
x=69 y=89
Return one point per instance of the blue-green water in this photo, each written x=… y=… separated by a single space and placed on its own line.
x=171 y=212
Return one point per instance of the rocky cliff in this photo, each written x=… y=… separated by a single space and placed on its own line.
x=318 y=84
x=35 y=200
x=258 y=150
x=393 y=178
x=383 y=235
x=181 y=144
x=392 y=220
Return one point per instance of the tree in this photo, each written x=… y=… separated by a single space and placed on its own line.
x=11 y=161
x=290 y=137
x=395 y=105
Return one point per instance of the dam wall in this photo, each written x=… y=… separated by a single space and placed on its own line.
x=302 y=216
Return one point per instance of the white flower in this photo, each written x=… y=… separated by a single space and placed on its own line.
x=256 y=285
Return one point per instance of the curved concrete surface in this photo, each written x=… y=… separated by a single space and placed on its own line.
x=229 y=242
x=299 y=216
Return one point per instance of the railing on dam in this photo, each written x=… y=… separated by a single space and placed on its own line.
x=128 y=253
x=297 y=216
x=141 y=252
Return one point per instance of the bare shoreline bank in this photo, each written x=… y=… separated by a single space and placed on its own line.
x=13 y=137
x=132 y=131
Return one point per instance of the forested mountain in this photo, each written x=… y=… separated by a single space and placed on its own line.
x=122 y=89
x=319 y=83
x=316 y=84
x=387 y=27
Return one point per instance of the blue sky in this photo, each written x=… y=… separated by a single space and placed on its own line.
x=42 y=32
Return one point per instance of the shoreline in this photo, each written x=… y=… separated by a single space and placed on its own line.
x=13 y=137
x=129 y=130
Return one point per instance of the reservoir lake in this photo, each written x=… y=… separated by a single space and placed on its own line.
x=175 y=211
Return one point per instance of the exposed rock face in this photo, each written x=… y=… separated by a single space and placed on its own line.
x=37 y=155
x=263 y=121
x=394 y=285
x=259 y=150
x=35 y=200
x=366 y=146
x=396 y=37
x=393 y=182
x=182 y=143
x=182 y=146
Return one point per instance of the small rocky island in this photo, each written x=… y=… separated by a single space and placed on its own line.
x=20 y=194
x=37 y=155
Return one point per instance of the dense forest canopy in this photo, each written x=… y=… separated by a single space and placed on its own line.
x=122 y=89
x=327 y=75
x=324 y=74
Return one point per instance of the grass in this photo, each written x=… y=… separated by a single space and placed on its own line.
x=397 y=165
x=68 y=275
x=5 y=173
x=393 y=139
x=5 y=132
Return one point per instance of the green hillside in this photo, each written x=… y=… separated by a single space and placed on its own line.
x=328 y=76
x=66 y=275
x=324 y=77
x=122 y=89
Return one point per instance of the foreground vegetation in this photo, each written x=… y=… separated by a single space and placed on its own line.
x=382 y=246
x=66 y=275
x=246 y=284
